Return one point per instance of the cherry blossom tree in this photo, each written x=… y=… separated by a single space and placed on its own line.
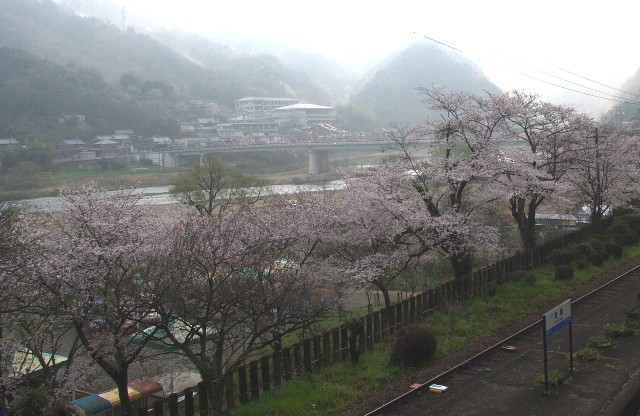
x=11 y=251
x=605 y=170
x=98 y=270
x=534 y=172
x=244 y=279
x=368 y=240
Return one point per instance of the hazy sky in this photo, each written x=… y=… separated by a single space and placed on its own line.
x=594 y=42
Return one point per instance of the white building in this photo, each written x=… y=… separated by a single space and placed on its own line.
x=261 y=106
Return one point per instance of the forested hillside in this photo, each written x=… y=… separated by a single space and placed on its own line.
x=126 y=79
x=390 y=91
x=46 y=30
x=34 y=93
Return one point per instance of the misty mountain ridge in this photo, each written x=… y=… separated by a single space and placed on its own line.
x=182 y=66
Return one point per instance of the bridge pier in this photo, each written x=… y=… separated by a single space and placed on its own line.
x=318 y=161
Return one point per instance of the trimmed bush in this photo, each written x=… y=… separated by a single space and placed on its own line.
x=564 y=272
x=414 y=345
x=622 y=234
x=614 y=249
x=597 y=245
x=597 y=258
x=561 y=256
x=582 y=264
x=584 y=250
x=631 y=221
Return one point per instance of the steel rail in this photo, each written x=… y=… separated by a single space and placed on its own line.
x=495 y=346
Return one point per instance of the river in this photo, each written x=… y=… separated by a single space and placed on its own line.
x=159 y=195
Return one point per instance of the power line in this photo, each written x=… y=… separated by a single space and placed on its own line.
x=580 y=85
x=615 y=98
x=595 y=82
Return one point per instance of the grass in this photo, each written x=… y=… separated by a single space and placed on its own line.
x=337 y=387
x=330 y=389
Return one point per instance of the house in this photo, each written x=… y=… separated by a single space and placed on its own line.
x=105 y=147
x=161 y=143
x=303 y=114
x=9 y=144
x=244 y=126
x=70 y=148
x=261 y=106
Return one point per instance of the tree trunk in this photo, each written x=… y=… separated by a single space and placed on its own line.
x=385 y=293
x=462 y=265
x=122 y=382
x=526 y=220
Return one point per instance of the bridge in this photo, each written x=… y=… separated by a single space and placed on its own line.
x=318 y=151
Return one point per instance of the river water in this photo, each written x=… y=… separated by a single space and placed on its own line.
x=159 y=195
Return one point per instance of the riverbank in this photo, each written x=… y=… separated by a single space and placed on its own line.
x=141 y=178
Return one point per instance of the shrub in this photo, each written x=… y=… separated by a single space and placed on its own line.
x=564 y=272
x=31 y=401
x=622 y=234
x=597 y=245
x=414 y=345
x=582 y=264
x=584 y=250
x=597 y=258
x=561 y=256
x=630 y=221
x=614 y=249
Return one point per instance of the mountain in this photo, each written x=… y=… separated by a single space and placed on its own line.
x=389 y=92
x=53 y=32
x=169 y=69
x=265 y=74
x=35 y=93
x=628 y=111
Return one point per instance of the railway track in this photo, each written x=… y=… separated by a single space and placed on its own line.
x=495 y=356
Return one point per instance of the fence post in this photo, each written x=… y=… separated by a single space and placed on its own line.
x=307 y=355
x=361 y=338
x=344 y=342
x=266 y=377
x=254 y=382
x=317 y=352
x=297 y=359
x=384 y=324
x=217 y=405
x=286 y=360
x=188 y=403
x=335 y=338
x=277 y=368
x=230 y=390
x=203 y=398
x=391 y=322
x=173 y=404
x=158 y=408
x=400 y=322
x=369 y=331
x=376 y=326
x=242 y=385
x=326 y=348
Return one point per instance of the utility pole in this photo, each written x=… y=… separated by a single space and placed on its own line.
x=598 y=187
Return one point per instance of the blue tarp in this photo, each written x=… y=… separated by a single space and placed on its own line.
x=92 y=404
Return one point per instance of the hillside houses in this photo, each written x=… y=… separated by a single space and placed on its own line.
x=9 y=144
x=261 y=117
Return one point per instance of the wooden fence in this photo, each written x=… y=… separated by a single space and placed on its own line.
x=259 y=376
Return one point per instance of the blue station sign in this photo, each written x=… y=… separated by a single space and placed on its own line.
x=557 y=318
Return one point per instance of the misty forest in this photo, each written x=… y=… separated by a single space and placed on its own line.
x=414 y=174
